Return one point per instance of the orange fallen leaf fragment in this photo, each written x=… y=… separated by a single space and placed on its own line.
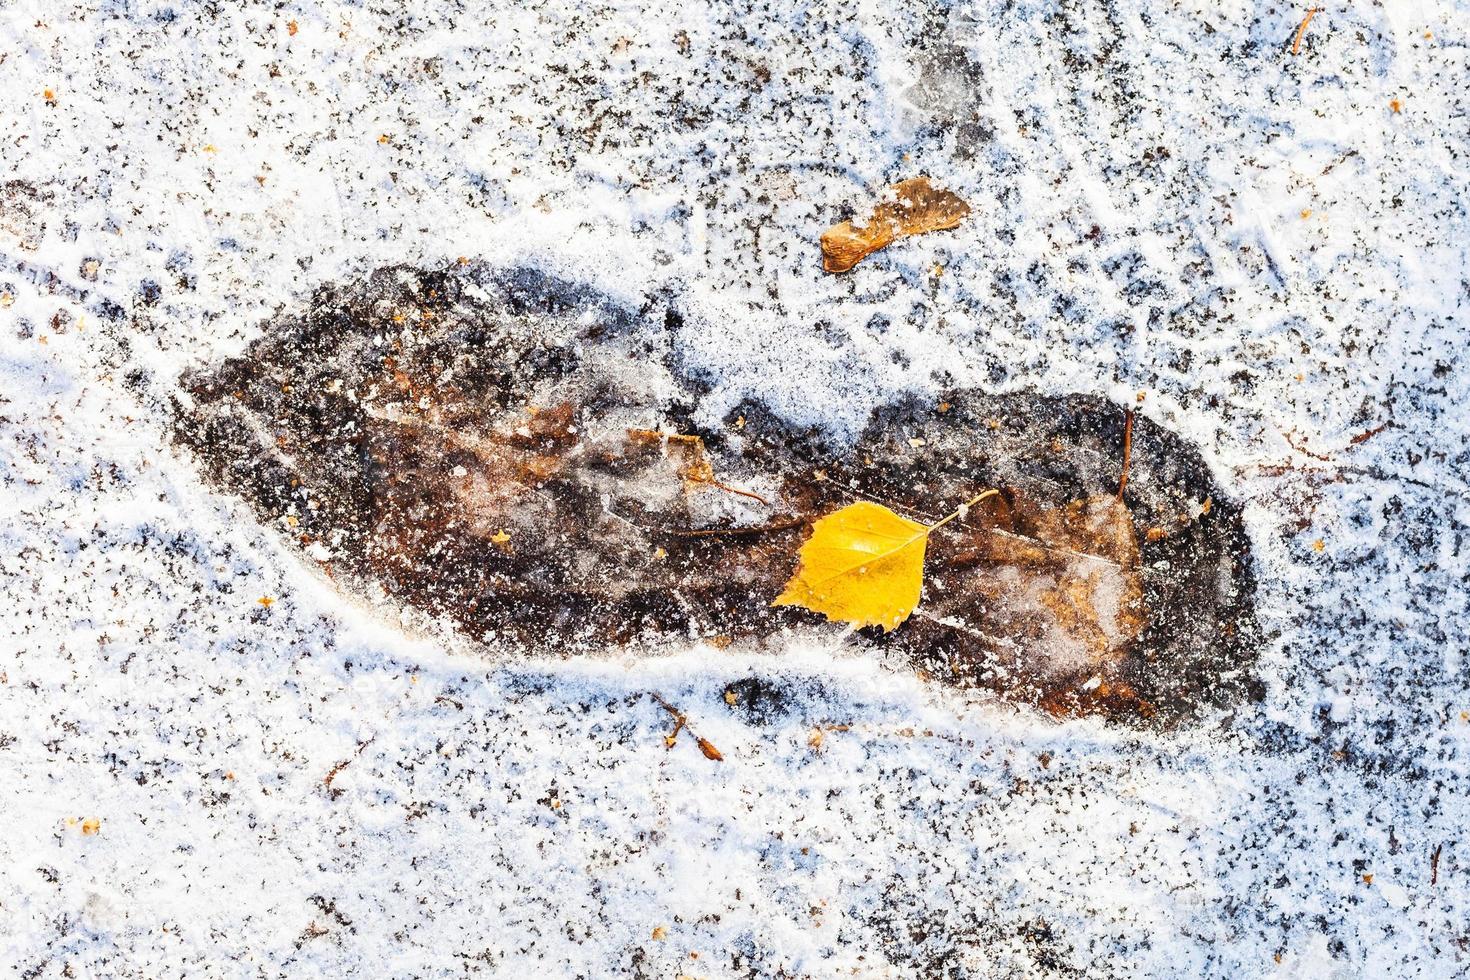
x=266 y=601
x=91 y=826
x=291 y=28
x=709 y=750
x=916 y=206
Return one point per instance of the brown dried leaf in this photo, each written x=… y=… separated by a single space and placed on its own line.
x=696 y=470
x=709 y=750
x=917 y=207
x=1067 y=579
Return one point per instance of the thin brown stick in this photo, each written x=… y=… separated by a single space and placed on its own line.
x=1127 y=453
x=912 y=512
x=973 y=555
x=1300 y=447
x=1363 y=437
x=327 y=782
x=1434 y=866
x=1296 y=45
x=736 y=490
x=720 y=532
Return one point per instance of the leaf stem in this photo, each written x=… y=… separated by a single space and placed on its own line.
x=963 y=508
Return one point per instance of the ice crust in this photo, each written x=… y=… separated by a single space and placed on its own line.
x=1165 y=199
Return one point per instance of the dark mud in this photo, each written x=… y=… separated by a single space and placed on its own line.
x=478 y=445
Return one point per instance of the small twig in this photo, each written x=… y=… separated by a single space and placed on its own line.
x=1434 y=865
x=896 y=508
x=736 y=490
x=1363 y=437
x=991 y=642
x=672 y=736
x=1127 y=453
x=1296 y=45
x=343 y=765
x=1287 y=435
x=714 y=532
x=698 y=469
x=973 y=555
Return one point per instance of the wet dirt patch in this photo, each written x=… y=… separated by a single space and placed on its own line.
x=515 y=455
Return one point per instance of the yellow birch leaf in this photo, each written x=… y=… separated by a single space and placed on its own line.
x=863 y=565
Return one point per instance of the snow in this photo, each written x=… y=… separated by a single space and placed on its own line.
x=1279 y=261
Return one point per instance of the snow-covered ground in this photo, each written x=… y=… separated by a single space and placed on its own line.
x=1275 y=247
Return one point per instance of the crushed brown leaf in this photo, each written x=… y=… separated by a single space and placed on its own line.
x=916 y=207
x=696 y=470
